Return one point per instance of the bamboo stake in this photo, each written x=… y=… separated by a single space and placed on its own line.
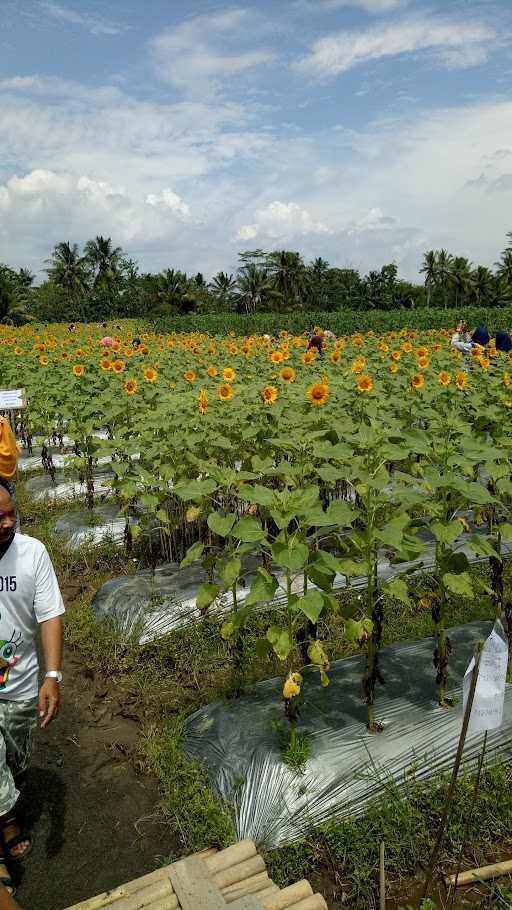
x=262 y=892
x=467 y=826
x=315 y=902
x=382 y=877
x=483 y=874
x=261 y=878
x=145 y=897
x=456 y=765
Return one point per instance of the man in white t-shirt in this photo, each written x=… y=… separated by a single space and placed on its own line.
x=30 y=600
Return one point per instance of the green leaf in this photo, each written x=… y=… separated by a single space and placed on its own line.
x=459 y=584
x=482 y=546
x=280 y=640
x=506 y=531
x=194 y=552
x=248 y=530
x=353 y=630
x=351 y=568
x=262 y=647
x=397 y=588
x=311 y=605
x=261 y=496
x=229 y=571
x=195 y=489
x=149 y=501
x=446 y=532
x=301 y=501
x=340 y=513
x=206 y=594
x=392 y=533
x=221 y=524
x=263 y=588
x=324 y=679
x=317 y=655
x=292 y=556
x=227 y=629
x=330 y=474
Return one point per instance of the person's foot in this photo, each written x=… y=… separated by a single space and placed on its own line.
x=16 y=846
x=5 y=877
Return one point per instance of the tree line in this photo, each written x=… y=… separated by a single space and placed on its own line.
x=101 y=282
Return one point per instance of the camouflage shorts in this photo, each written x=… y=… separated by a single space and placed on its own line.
x=18 y=721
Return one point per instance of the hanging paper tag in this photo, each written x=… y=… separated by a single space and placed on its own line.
x=487 y=710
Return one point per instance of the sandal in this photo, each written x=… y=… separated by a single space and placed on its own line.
x=6 y=880
x=20 y=838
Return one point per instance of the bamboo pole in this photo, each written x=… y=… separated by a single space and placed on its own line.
x=288 y=897
x=315 y=902
x=382 y=877
x=145 y=897
x=239 y=872
x=260 y=879
x=263 y=891
x=231 y=856
x=483 y=874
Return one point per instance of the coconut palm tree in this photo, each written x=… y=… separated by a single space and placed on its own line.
x=483 y=285
x=104 y=260
x=429 y=269
x=504 y=266
x=222 y=287
x=67 y=268
x=443 y=272
x=254 y=287
x=460 y=278
x=173 y=289
x=13 y=304
x=287 y=271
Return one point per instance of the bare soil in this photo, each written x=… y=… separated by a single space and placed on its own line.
x=93 y=816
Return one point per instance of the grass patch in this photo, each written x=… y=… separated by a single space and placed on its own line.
x=344 y=854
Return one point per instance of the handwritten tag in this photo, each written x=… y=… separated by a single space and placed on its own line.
x=12 y=399
x=487 y=710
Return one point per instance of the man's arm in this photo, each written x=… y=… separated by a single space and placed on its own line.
x=49 y=694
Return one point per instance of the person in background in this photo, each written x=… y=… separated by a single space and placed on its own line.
x=8 y=458
x=481 y=336
x=30 y=601
x=503 y=342
x=461 y=339
x=316 y=342
x=136 y=343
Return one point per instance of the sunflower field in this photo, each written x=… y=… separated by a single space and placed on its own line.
x=318 y=466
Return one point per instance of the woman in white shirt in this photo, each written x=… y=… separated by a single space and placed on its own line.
x=461 y=338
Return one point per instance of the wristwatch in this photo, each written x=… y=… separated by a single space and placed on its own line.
x=54 y=674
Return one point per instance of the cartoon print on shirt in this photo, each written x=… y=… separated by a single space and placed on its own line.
x=8 y=659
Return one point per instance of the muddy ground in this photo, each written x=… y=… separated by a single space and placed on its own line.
x=94 y=818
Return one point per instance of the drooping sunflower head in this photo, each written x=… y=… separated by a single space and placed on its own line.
x=318 y=393
x=269 y=394
x=364 y=384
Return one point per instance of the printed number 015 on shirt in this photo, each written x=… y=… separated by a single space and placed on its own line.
x=7 y=583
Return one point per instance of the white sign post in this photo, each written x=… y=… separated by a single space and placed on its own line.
x=12 y=399
x=487 y=710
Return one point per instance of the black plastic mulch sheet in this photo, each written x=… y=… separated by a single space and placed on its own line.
x=347 y=767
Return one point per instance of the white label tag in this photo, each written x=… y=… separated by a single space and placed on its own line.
x=11 y=399
x=487 y=710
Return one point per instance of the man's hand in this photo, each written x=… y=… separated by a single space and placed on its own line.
x=49 y=701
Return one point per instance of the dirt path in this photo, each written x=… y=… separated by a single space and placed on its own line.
x=94 y=819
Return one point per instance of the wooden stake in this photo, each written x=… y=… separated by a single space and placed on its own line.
x=382 y=877
x=483 y=874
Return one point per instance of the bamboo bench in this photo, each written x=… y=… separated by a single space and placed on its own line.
x=235 y=878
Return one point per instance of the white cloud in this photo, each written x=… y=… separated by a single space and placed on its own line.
x=96 y=25
x=169 y=199
x=203 y=50
x=462 y=41
x=281 y=221
x=368 y=6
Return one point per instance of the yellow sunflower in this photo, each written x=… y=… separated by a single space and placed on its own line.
x=225 y=392
x=78 y=369
x=131 y=386
x=119 y=366
x=150 y=375
x=308 y=357
x=190 y=376
x=269 y=394
x=461 y=380
x=444 y=378
x=277 y=356
x=105 y=364
x=43 y=361
x=335 y=356
x=288 y=374
x=211 y=372
x=229 y=374
x=318 y=393
x=417 y=381
x=364 y=384
x=396 y=355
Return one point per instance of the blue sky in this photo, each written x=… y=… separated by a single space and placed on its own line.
x=366 y=131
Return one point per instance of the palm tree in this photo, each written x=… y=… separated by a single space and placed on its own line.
x=104 y=260
x=287 y=271
x=222 y=287
x=67 y=268
x=429 y=268
x=483 y=288
x=460 y=278
x=504 y=266
x=316 y=275
x=254 y=287
x=13 y=306
x=172 y=288
x=443 y=272
x=25 y=278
